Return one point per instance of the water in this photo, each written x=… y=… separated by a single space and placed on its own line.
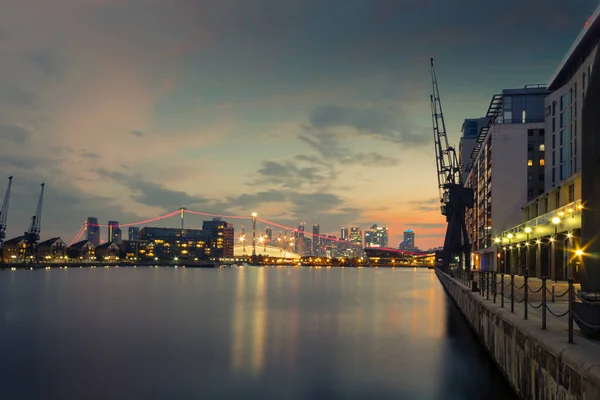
x=268 y=333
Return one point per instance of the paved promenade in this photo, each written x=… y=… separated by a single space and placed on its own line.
x=534 y=315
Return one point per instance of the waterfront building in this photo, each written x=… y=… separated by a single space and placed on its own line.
x=168 y=243
x=14 y=249
x=222 y=237
x=550 y=227
x=83 y=250
x=92 y=230
x=52 y=249
x=506 y=168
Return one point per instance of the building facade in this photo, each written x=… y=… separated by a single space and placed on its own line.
x=544 y=241
x=316 y=241
x=469 y=133
x=500 y=173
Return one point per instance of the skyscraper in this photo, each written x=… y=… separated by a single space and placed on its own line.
x=316 y=241
x=114 y=232
x=356 y=236
x=269 y=234
x=93 y=231
x=376 y=236
x=299 y=239
x=409 y=241
x=344 y=234
x=134 y=233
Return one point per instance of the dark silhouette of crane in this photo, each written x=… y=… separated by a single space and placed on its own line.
x=454 y=197
x=3 y=216
x=32 y=236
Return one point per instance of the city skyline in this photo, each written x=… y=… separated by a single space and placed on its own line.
x=124 y=123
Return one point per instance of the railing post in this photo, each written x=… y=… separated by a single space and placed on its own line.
x=502 y=290
x=544 y=302
x=512 y=293
x=553 y=293
x=525 y=295
x=571 y=299
x=487 y=283
x=495 y=285
x=481 y=288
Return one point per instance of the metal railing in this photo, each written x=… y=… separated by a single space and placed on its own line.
x=490 y=281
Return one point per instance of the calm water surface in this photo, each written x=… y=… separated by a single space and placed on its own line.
x=252 y=333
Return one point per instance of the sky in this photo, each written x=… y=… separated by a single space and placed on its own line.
x=312 y=111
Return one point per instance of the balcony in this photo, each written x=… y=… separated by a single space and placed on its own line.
x=569 y=218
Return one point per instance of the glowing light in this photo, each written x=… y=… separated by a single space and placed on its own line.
x=528 y=230
x=510 y=236
x=556 y=220
x=579 y=252
x=497 y=240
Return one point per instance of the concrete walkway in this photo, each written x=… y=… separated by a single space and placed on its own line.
x=534 y=317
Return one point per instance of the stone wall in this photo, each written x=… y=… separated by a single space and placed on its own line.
x=539 y=364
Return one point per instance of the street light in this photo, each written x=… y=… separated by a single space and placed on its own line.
x=254 y=215
x=527 y=232
x=497 y=241
x=555 y=221
x=509 y=258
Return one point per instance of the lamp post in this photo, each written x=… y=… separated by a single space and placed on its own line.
x=527 y=232
x=510 y=236
x=497 y=241
x=254 y=215
x=554 y=240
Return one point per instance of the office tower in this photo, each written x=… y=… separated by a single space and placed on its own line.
x=408 y=243
x=316 y=241
x=376 y=236
x=344 y=234
x=93 y=231
x=470 y=130
x=114 y=232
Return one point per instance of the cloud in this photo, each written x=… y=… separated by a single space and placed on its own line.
x=138 y=133
x=46 y=63
x=425 y=225
x=288 y=174
x=153 y=194
x=14 y=133
x=89 y=154
x=255 y=199
x=374 y=122
x=15 y=96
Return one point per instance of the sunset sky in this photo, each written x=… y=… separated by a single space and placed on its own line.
x=311 y=111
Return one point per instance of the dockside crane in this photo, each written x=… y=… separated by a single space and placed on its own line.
x=32 y=236
x=455 y=199
x=3 y=217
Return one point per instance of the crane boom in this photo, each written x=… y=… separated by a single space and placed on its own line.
x=454 y=197
x=447 y=162
x=32 y=236
x=3 y=218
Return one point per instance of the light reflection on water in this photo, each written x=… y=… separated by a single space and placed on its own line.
x=271 y=333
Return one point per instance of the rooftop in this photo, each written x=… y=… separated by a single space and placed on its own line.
x=590 y=31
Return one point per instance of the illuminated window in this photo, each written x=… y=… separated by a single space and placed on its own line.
x=542 y=162
x=542 y=147
x=530 y=163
